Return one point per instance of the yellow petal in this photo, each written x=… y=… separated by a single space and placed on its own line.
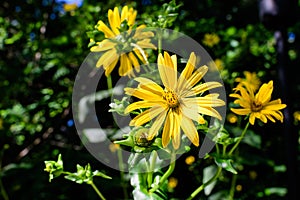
x=143 y=94
x=110 y=67
x=103 y=28
x=176 y=130
x=124 y=13
x=274 y=106
x=107 y=58
x=157 y=125
x=188 y=70
x=134 y=61
x=167 y=71
x=196 y=77
x=167 y=130
x=252 y=118
x=131 y=17
x=190 y=130
x=149 y=85
x=241 y=111
x=203 y=101
x=113 y=20
x=140 y=105
x=264 y=93
x=146 y=116
x=146 y=43
x=203 y=87
x=192 y=114
x=103 y=46
x=125 y=65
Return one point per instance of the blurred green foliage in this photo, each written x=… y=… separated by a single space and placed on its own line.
x=42 y=47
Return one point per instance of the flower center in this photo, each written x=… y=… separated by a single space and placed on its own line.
x=171 y=98
x=256 y=106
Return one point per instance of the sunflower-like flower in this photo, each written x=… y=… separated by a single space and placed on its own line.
x=258 y=105
x=123 y=42
x=177 y=105
x=211 y=39
x=251 y=79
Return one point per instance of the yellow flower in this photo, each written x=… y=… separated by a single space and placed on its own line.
x=211 y=39
x=174 y=106
x=122 y=42
x=190 y=160
x=70 y=7
x=259 y=105
x=232 y=118
x=217 y=64
x=251 y=79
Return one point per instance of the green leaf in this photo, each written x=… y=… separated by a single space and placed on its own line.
x=225 y=164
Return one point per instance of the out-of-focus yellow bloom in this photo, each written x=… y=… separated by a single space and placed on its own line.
x=172 y=183
x=190 y=160
x=232 y=118
x=217 y=64
x=251 y=79
x=239 y=188
x=211 y=39
x=70 y=7
x=297 y=116
x=258 y=105
x=175 y=106
x=123 y=43
x=113 y=147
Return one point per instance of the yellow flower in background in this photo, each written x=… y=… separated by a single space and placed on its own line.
x=211 y=39
x=177 y=105
x=251 y=79
x=217 y=64
x=190 y=160
x=232 y=118
x=258 y=105
x=123 y=43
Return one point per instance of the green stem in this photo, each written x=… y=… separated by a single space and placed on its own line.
x=201 y=187
x=109 y=82
x=240 y=139
x=167 y=174
x=232 y=187
x=3 y=191
x=151 y=169
x=97 y=191
x=159 y=42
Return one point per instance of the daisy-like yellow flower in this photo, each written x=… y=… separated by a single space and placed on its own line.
x=122 y=42
x=258 y=105
x=251 y=79
x=177 y=105
x=211 y=39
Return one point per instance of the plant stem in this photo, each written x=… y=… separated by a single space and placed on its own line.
x=167 y=174
x=240 y=139
x=97 y=191
x=232 y=188
x=201 y=187
x=109 y=82
x=3 y=192
x=159 y=42
x=151 y=168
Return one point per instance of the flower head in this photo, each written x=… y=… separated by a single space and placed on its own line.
x=122 y=38
x=250 y=79
x=258 y=105
x=211 y=39
x=177 y=104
